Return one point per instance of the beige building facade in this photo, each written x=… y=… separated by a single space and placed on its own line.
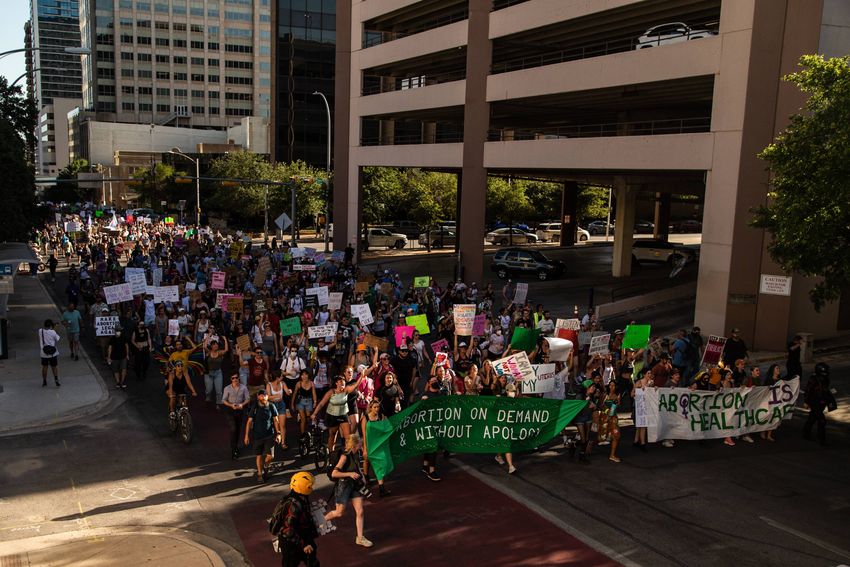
x=584 y=92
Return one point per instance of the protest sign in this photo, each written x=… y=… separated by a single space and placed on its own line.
x=303 y=267
x=543 y=381
x=363 y=313
x=466 y=424
x=244 y=343
x=334 y=301
x=260 y=277
x=438 y=346
x=420 y=322
x=375 y=342
x=234 y=304
x=117 y=293
x=713 y=350
x=515 y=367
x=656 y=348
x=640 y=407
x=361 y=287
x=218 y=280
x=167 y=293
x=338 y=256
x=403 y=332
x=567 y=335
x=132 y=271
x=311 y=302
x=521 y=293
x=156 y=276
x=138 y=283
x=105 y=326
x=386 y=289
x=569 y=324
x=559 y=349
x=190 y=286
x=464 y=317
x=321 y=294
x=479 y=325
x=173 y=327
x=524 y=338
x=291 y=326
x=221 y=300
x=259 y=306
x=637 y=336
x=322 y=331
x=599 y=345
x=421 y=281
x=680 y=413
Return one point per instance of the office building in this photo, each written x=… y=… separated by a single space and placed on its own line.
x=593 y=92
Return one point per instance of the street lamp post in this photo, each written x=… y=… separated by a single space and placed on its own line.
x=328 y=169
x=70 y=50
x=197 y=162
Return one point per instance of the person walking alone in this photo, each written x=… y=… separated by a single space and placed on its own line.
x=47 y=340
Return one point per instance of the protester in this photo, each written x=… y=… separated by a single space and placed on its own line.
x=47 y=341
x=263 y=427
x=117 y=357
x=350 y=486
x=818 y=398
x=292 y=523
x=235 y=397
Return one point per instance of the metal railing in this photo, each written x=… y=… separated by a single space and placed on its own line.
x=374 y=84
x=377 y=37
x=564 y=55
x=641 y=128
x=403 y=140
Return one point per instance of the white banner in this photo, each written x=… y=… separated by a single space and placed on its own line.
x=118 y=293
x=303 y=267
x=363 y=312
x=464 y=317
x=105 y=326
x=138 y=283
x=320 y=292
x=521 y=293
x=599 y=345
x=679 y=413
x=515 y=367
x=322 y=331
x=559 y=349
x=334 y=300
x=543 y=381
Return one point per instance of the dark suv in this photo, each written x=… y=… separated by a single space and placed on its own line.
x=519 y=260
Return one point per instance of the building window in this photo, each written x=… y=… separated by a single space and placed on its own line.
x=105 y=39
x=161 y=91
x=106 y=72
x=238 y=80
x=196 y=28
x=127 y=73
x=237 y=32
x=212 y=45
x=212 y=62
x=196 y=44
x=179 y=43
x=128 y=106
x=212 y=78
x=213 y=95
x=143 y=6
x=143 y=56
x=143 y=40
x=145 y=107
x=128 y=89
x=238 y=96
x=196 y=11
x=179 y=60
x=163 y=75
x=180 y=76
x=161 y=25
x=198 y=77
x=160 y=7
x=231 y=48
x=238 y=112
x=162 y=41
x=180 y=93
x=212 y=12
x=197 y=110
x=239 y=64
x=213 y=110
x=105 y=56
x=125 y=38
x=143 y=23
x=126 y=22
x=162 y=59
x=238 y=16
x=126 y=56
x=176 y=26
x=197 y=94
x=145 y=91
x=106 y=106
x=163 y=108
x=144 y=73
x=198 y=61
x=106 y=90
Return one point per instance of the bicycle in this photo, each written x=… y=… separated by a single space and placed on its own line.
x=314 y=440
x=181 y=420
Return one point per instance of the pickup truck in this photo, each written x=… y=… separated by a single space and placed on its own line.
x=378 y=237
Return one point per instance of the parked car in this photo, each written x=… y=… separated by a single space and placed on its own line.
x=598 y=227
x=406 y=227
x=378 y=237
x=644 y=227
x=687 y=225
x=503 y=237
x=551 y=231
x=519 y=225
x=674 y=32
x=512 y=261
x=652 y=250
x=439 y=238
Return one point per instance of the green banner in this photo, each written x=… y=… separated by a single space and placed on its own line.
x=291 y=326
x=525 y=338
x=466 y=424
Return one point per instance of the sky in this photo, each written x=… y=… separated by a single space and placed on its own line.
x=15 y=14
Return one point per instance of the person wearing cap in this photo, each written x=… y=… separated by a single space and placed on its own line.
x=462 y=360
x=735 y=348
x=263 y=426
x=295 y=530
x=406 y=368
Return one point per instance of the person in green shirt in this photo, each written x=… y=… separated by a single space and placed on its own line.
x=71 y=319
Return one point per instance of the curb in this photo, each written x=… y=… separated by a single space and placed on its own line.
x=219 y=553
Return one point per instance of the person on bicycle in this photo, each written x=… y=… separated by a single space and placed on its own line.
x=178 y=383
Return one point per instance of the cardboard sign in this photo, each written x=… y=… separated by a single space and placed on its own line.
x=138 y=283
x=218 y=280
x=334 y=301
x=521 y=293
x=322 y=331
x=464 y=317
x=515 y=367
x=260 y=277
x=479 y=325
x=599 y=345
x=105 y=326
x=543 y=381
x=244 y=343
x=438 y=346
x=156 y=276
x=118 y=293
x=173 y=327
x=321 y=294
x=291 y=326
x=191 y=286
x=559 y=349
x=569 y=324
x=234 y=304
x=637 y=336
x=259 y=306
x=420 y=322
x=421 y=281
x=363 y=313
x=375 y=342
x=713 y=350
x=387 y=289
x=361 y=287
x=402 y=333
x=166 y=293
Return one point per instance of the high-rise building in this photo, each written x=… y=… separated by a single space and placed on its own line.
x=55 y=75
x=189 y=63
x=304 y=55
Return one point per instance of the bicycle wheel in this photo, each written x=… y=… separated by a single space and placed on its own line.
x=321 y=458
x=186 y=430
x=304 y=445
x=172 y=423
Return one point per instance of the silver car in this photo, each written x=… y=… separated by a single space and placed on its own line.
x=674 y=32
x=503 y=236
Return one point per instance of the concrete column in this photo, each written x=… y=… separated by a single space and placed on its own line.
x=626 y=199
x=387 y=132
x=569 y=204
x=662 y=216
x=476 y=120
x=345 y=187
x=429 y=132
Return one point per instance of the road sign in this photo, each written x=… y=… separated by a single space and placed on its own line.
x=283 y=221
x=6 y=269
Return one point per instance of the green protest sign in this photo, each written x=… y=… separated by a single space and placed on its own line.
x=420 y=322
x=291 y=326
x=637 y=336
x=98 y=214
x=524 y=338
x=422 y=281
x=466 y=424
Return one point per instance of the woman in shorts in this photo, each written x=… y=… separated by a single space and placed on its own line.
x=303 y=398
x=350 y=480
x=336 y=417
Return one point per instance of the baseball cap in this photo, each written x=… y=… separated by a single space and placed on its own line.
x=402 y=347
x=462 y=344
x=361 y=368
x=361 y=347
x=587 y=383
x=261 y=392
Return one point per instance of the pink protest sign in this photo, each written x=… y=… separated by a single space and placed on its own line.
x=479 y=325
x=218 y=280
x=438 y=346
x=402 y=333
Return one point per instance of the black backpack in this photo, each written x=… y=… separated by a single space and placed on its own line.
x=276 y=520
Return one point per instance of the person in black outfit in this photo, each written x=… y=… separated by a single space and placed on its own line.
x=818 y=398
x=734 y=349
x=406 y=367
x=296 y=531
x=793 y=364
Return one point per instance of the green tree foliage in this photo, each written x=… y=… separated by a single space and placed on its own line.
x=592 y=203
x=808 y=211
x=159 y=186
x=507 y=200
x=19 y=111
x=17 y=189
x=69 y=192
x=408 y=194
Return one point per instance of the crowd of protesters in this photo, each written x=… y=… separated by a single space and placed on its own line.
x=235 y=340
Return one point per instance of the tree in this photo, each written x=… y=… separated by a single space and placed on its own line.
x=19 y=111
x=808 y=208
x=69 y=192
x=17 y=190
x=159 y=186
x=592 y=203
x=507 y=200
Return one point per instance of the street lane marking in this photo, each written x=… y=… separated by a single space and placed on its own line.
x=814 y=541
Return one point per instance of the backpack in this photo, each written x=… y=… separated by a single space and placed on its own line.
x=691 y=350
x=333 y=459
x=275 y=522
